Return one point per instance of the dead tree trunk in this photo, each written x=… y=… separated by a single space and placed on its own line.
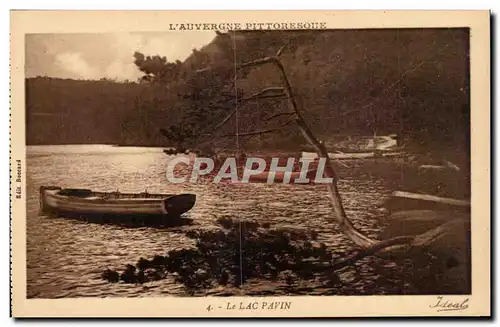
x=369 y=245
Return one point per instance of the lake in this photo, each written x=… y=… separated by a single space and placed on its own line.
x=65 y=258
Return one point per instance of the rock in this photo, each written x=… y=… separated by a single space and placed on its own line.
x=128 y=277
x=159 y=261
x=111 y=276
x=450 y=239
x=141 y=277
x=266 y=225
x=415 y=222
x=156 y=275
x=130 y=268
x=143 y=264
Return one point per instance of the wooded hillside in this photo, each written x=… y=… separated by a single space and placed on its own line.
x=410 y=82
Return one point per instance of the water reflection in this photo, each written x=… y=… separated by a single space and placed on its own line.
x=66 y=257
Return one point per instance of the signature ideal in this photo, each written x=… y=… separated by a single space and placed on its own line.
x=448 y=305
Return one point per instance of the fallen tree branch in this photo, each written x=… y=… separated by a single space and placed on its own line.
x=350 y=260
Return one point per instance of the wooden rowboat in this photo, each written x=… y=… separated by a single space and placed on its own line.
x=84 y=202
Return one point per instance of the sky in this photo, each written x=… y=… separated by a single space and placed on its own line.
x=95 y=56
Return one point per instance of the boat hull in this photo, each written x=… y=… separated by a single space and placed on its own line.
x=86 y=203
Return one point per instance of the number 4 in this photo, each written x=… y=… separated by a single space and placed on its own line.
x=209 y=308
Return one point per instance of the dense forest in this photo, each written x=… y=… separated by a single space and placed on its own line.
x=411 y=82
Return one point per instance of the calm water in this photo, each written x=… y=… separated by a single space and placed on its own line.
x=66 y=257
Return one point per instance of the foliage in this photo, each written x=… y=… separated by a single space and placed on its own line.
x=290 y=261
x=216 y=259
x=410 y=82
x=63 y=111
x=156 y=68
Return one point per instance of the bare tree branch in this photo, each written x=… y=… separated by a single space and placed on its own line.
x=202 y=70
x=348 y=228
x=259 y=95
x=219 y=125
x=280 y=96
x=279 y=115
x=369 y=245
x=257 y=62
x=350 y=260
x=280 y=50
x=265 y=131
x=264 y=91
x=403 y=241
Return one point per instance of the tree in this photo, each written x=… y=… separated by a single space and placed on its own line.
x=408 y=82
x=157 y=68
x=368 y=245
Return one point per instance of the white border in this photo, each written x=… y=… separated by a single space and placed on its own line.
x=189 y=4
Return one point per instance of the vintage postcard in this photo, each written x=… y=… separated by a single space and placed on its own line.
x=250 y=164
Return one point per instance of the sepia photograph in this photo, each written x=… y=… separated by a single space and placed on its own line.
x=264 y=161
